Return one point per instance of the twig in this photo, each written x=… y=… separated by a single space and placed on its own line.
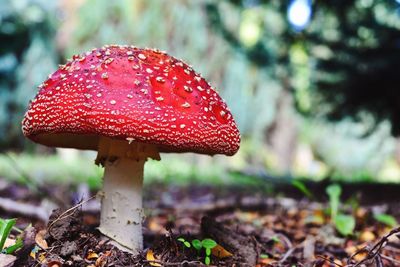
x=182 y=263
x=327 y=259
x=69 y=212
x=29 y=210
x=288 y=245
x=287 y=254
x=374 y=252
x=364 y=249
x=378 y=261
x=16 y=229
x=392 y=249
x=390 y=259
x=286 y=240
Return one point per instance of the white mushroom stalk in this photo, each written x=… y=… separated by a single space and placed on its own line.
x=121 y=198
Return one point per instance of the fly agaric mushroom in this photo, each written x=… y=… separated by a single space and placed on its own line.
x=129 y=104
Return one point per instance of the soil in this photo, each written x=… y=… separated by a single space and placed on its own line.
x=251 y=227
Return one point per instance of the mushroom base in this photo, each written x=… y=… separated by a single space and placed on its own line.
x=121 y=197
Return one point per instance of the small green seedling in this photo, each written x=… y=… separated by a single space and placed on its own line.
x=387 y=219
x=264 y=256
x=334 y=191
x=275 y=239
x=197 y=245
x=6 y=225
x=303 y=188
x=207 y=243
x=185 y=243
x=345 y=224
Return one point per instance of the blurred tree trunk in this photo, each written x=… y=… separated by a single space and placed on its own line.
x=281 y=136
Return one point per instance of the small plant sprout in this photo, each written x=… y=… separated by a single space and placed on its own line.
x=303 y=188
x=275 y=239
x=207 y=243
x=343 y=223
x=334 y=191
x=6 y=225
x=185 y=243
x=197 y=245
x=386 y=219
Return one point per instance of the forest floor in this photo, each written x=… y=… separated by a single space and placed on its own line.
x=250 y=226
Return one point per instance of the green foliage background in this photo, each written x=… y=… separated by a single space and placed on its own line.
x=27 y=55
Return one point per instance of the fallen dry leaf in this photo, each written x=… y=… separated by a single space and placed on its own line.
x=9 y=242
x=220 y=252
x=92 y=255
x=351 y=250
x=367 y=236
x=102 y=260
x=316 y=218
x=34 y=251
x=42 y=258
x=40 y=241
x=7 y=260
x=150 y=257
x=155 y=225
x=265 y=261
x=309 y=248
x=361 y=213
x=54 y=263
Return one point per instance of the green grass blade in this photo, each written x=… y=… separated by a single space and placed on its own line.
x=302 y=187
x=5 y=228
x=18 y=244
x=387 y=219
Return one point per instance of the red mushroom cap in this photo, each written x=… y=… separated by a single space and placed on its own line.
x=135 y=94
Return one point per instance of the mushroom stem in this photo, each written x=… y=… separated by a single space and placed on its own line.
x=121 y=204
